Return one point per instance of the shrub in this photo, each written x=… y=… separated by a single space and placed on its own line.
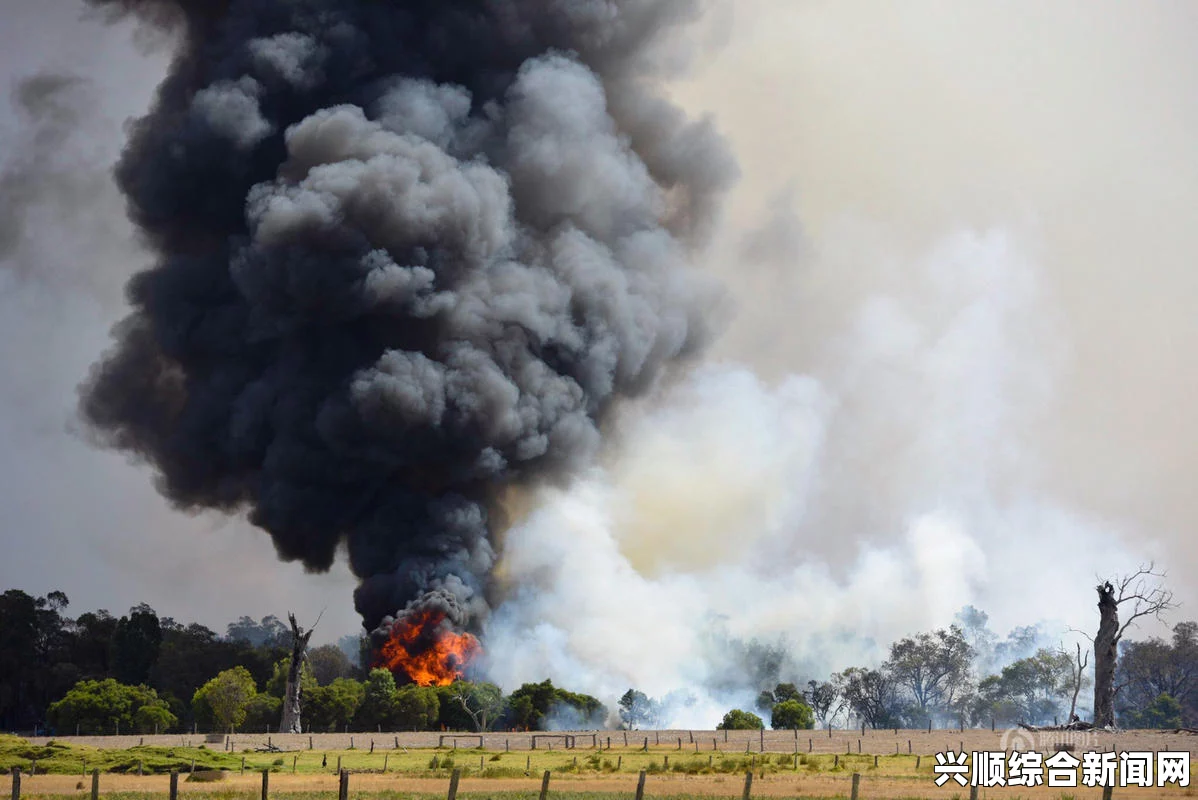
x=740 y=720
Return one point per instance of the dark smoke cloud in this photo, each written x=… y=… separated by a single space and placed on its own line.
x=408 y=254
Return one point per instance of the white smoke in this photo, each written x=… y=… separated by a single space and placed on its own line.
x=718 y=507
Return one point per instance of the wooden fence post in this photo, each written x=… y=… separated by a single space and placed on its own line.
x=243 y=765
x=1106 y=792
x=856 y=785
x=174 y=784
x=545 y=786
x=266 y=784
x=139 y=767
x=95 y=784
x=16 y=784
x=453 y=783
x=973 y=791
x=338 y=763
x=386 y=756
x=343 y=786
x=640 y=786
x=748 y=786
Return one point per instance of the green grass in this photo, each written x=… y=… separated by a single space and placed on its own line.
x=60 y=758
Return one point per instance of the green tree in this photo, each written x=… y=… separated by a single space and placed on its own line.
x=871 y=694
x=483 y=703
x=417 y=708
x=332 y=707
x=823 y=699
x=738 y=720
x=154 y=718
x=135 y=645
x=1162 y=713
x=102 y=707
x=328 y=663
x=791 y=715
x=636 y=708
x=533 y=704
x=262 y=713
x=780 y=693
x=223 y=700
x=378 y=701
x=933 y=668
x=277 y=685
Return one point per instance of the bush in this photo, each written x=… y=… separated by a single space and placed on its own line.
x=223 y=700
x=102 y=706
x=791 y=715
x=740 y=720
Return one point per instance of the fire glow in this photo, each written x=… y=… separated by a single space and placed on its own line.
x=426 y=652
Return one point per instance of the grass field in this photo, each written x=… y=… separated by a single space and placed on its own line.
x=583 y=773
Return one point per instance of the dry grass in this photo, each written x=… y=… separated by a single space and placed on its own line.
x=376 y=787
x=584 y=772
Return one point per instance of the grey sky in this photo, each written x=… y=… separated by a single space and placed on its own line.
x=73 y=517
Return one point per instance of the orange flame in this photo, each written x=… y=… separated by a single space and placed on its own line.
x=427 y=656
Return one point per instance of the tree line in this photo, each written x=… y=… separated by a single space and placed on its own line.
x=143 y=673
x=942 y=677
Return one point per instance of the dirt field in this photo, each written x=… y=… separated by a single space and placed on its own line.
x=369 y=786
x=873 y=742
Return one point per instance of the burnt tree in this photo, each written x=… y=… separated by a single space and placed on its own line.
x=292 y=700
x=1143 y=591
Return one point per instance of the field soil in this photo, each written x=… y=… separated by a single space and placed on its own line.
x=837 y=785
x=872 y=742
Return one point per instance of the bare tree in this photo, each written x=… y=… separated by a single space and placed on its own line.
x=1141 y=589
x=291 y=702
x=1077 y=675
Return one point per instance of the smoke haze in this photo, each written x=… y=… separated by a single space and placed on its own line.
x=961 y=257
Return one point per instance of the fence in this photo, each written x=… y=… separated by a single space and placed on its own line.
x=454 y=780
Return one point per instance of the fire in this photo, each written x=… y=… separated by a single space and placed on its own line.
x=429 y=655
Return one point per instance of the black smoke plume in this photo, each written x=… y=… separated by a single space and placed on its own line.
x=407 y=254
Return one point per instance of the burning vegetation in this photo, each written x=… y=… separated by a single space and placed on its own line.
x=424 y=648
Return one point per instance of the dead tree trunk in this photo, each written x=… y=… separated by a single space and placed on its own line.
x=1078 y=678
x=292 y=700
x=1106 y=645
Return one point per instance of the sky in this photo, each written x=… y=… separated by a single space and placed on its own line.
x=958 y=367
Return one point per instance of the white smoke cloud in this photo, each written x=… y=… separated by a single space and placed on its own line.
x=719 y=503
